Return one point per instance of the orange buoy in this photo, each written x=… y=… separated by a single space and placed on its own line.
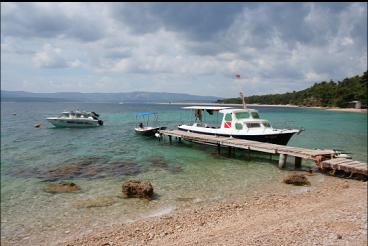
x=37 y=125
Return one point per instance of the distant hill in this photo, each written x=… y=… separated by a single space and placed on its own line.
x=325 y=94
x=138 y=96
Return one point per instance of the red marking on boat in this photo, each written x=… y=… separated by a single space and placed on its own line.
x=227 y=124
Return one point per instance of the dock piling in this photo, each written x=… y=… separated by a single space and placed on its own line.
x=298 y=162
x=282 y=160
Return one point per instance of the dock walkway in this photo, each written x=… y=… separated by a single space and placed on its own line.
x=324 y=158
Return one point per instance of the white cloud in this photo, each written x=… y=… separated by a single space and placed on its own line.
x=49 y=57
x=274 y=47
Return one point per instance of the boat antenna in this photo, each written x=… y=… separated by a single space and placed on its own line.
x=243 y=100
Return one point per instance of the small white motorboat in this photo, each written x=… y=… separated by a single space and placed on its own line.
x=76 y=119
x=147 y=130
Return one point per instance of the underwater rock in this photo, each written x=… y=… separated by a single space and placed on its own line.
x=88 y=167
x=16 y=171
x=175 y=169
x=62 y=187
x=126 y=167
x=161 y=163
x=137 y=189
x=91 y=168
x=297 y=179
x=67 y=171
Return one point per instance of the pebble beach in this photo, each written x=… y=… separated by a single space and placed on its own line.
x=331 y=212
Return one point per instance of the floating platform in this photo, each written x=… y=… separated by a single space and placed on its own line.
x=323 y=158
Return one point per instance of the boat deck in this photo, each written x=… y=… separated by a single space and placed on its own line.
x=324 y=158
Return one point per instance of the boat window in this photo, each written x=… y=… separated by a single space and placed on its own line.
x=242 y=115
x=238 y=126
x=209 y=111
x=255 y=115
x=253 y=125
x=266 y=124
x=228 y=117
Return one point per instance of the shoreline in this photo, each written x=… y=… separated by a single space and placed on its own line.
x=355 y=110
x=331 y=211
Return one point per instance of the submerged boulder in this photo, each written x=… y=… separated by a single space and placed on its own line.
x=160 y=163
x=297 y=179
x=62 y=187
x=138 y=189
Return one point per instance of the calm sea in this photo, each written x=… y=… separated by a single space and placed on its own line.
x=100 y=159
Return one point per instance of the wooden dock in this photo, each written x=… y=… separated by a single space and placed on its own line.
x=324 y=159
x=343 y=164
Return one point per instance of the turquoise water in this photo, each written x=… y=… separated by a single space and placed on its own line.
x=109 y=155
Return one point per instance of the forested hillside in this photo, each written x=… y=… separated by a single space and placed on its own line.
x=325 y=94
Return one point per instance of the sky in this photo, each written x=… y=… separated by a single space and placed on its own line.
x=195 y=48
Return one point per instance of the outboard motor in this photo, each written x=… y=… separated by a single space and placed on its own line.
x=100 y=122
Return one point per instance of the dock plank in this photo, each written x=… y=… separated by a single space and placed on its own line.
x=347 y=165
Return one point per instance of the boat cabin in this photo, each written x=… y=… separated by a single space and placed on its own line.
x=77 y=114
x=240 y=119
x=231 y=118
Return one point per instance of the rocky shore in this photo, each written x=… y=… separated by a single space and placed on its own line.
x=332 y=212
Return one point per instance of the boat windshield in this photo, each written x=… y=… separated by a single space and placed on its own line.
x=255 y=115
x=207 y=117
x=242 y=115
x=145 y=119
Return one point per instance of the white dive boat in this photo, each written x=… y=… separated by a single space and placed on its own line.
x=238 y=123
x=146 y=129
x=76 y=119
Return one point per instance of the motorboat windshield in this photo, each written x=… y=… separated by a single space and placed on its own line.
x=144 y=126
x=146 y=118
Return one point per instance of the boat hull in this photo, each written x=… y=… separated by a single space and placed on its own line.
x=279 y=138
x=148 y=131
x=68 y=123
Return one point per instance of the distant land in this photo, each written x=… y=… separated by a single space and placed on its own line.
x=324 y=94
x=124 y=97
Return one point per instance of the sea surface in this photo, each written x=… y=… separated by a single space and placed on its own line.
x=100 y=159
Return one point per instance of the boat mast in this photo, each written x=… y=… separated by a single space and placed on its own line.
x=243 y=100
